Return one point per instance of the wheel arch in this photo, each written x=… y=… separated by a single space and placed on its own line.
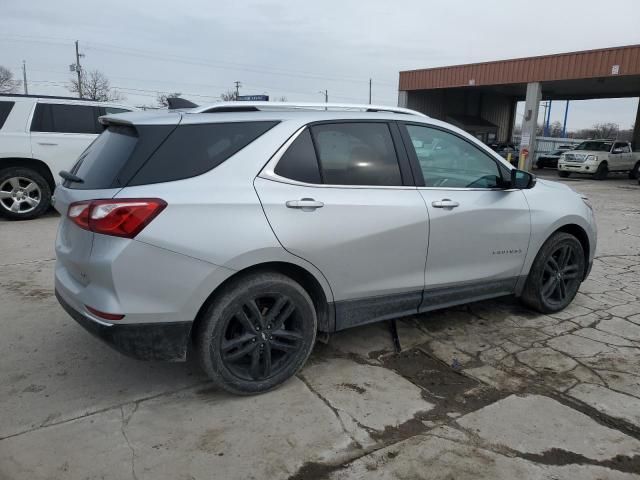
x=308 y=281
x=33 y=163
x=571 y=228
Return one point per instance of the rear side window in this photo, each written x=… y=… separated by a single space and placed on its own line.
x=357 y=154
x=5 y=110
x=60 y=118
x=299 y=162
x=195 y=149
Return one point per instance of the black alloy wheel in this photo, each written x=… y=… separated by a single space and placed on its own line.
x=256 y=333
x=556 y=274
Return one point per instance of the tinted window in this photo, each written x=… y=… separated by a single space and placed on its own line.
x=595 y=146
x=357 y=154
x=447 y=160
x=109 y=110
x=194 y=149
x=5 y=109
x=100 y=163
x=299 y=162
x=623 y=147
x=65 y=118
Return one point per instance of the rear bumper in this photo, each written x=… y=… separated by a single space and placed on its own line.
x=144 y=341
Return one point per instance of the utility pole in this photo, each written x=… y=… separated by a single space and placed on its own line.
x=238 y=85
x=369 y=91
x=24 y=78
x=326 y=96
x=79 y=70
x=546 y=127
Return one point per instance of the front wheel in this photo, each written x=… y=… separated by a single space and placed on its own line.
x=635 y=171
x=24 y=193
x=602 y=172
x=555 y=275
x=563 y=174
x=257 y=333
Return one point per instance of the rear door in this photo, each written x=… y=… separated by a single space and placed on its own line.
x=60 y=133
x=479 y=232
x=340 y=195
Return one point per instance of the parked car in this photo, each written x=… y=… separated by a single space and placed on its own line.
x=549 y=160
x=238 y=232
x=598 y=158
x=504 y=149
x=39 y=136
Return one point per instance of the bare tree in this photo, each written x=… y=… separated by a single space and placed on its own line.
x=555 y=129
x=162 y=98
x=7 y=82
x=95 y=86
x=605 y=130
x=228 y=96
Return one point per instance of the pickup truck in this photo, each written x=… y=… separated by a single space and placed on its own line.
x=598 y=158
x=39 y=136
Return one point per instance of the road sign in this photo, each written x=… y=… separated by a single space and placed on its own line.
x=253 y=98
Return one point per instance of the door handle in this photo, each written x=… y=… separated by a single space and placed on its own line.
x=445 y=203
x=306 y=204
x=48 y=144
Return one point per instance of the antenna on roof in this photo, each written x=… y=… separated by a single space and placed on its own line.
x=177 y=102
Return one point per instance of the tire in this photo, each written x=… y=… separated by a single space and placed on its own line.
x=544 y=290
x=235 y=329
x=602 y=172
x=563 y=174
x=635 y=171
x=24 y=193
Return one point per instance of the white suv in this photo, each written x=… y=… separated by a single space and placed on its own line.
x=39 y=136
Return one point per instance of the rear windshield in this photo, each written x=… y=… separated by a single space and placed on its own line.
x=5 y=110
x=100 y=163
x=125 y=155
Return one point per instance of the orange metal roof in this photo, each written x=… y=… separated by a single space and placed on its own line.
x=562 y=66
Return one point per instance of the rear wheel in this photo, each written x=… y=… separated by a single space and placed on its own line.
x=555 y=275
x=602 y=172
x=635 y=171
x=257 y=333
x=24 y=193
x=563 y=174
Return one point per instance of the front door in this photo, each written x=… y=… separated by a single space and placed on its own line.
x=340 y=198
x=620 y=157
x=479 y=232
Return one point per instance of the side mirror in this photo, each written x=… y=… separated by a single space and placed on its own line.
x=522 y=180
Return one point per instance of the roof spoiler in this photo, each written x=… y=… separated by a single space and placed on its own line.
x=176 y=103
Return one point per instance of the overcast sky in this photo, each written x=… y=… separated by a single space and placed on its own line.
x=297 y=49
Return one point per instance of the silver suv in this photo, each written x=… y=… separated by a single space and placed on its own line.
x=239 y=231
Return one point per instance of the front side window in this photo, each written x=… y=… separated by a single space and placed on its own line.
x=621 y=147
x=356 y=154
x=449 y=161
x=61 y=118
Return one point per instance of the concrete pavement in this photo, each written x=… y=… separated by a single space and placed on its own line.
x=487 y=390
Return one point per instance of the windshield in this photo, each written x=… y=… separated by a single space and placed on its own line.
x=595 y=146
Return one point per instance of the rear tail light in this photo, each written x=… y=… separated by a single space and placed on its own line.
x=117 y=217
x=106 y=316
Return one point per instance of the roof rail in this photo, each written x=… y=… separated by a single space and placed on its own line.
x=57 y=97
x=270 y=106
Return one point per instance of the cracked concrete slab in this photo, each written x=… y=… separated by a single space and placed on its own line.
x=609 y=402
x=197 y=433
x=536 y=424
x=577 y=347
x=622 y=328
x=546 y=359
x=374 y=397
